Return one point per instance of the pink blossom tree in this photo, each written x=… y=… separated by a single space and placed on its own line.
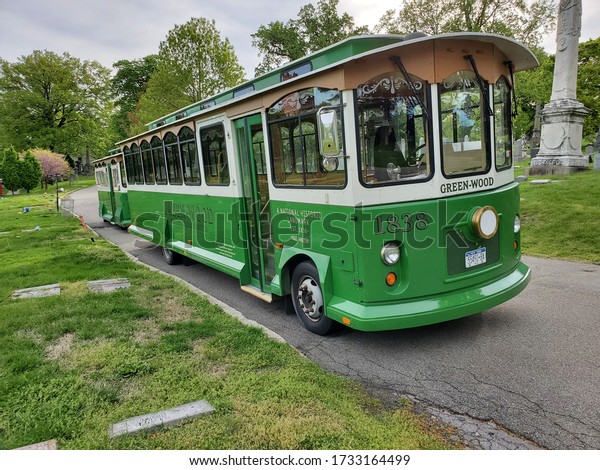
x=53 y=165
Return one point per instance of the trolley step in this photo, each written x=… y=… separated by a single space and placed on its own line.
x=257 y=293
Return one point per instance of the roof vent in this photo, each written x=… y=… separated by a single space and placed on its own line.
x=414 y=35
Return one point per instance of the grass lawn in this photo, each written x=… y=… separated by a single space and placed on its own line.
x=72 y=365
x=562 y=219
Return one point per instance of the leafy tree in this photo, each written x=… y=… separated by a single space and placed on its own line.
x=588 y=86
x=31 y=171
x=10 y=170
x=526 y=21
x=193 y=63
x=128 y=85
x=53 y=165
x=54 y=101
x=532 y=87
x=535 y=86
x=315 y=28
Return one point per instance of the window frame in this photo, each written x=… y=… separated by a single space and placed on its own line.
x=187 y=143
x=176 y=160
x=297 y=120
x=485 y=128
x=207 y=158
x=508 y=116
x=427 y=100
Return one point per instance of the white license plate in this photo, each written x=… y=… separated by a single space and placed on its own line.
x=475 y=257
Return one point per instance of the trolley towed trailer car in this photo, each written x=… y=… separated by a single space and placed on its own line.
x=370 y=183
x=113 y=205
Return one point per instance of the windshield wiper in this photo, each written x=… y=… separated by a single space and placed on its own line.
x=396 y=60
x=481 y=84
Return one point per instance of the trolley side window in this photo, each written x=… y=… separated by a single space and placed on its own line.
x=148 y=165
x=158 y=158
x=502 y=124
x=214 y=155
x=114 y=168
x=296 y=132
x=173 y=161
x=138 y=171
x=393 y=130
x=464 y=126
x=129 y=165
x=189 y=156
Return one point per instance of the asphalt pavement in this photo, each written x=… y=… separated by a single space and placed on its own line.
x=530 y=366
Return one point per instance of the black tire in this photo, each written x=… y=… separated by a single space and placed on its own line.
x=307 y=298
x=170 y=256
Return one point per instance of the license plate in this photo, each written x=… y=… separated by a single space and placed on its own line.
x=475 y=258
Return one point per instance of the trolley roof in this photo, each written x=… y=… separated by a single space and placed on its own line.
x=344 y=51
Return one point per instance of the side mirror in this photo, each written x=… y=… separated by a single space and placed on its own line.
x=329 y=144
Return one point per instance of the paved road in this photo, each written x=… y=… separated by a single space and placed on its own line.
x=532 y=365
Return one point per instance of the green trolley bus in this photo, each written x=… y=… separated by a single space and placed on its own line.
x=113 y=205
x=369 y=184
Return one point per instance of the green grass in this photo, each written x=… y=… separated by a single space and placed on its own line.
x=72 y=365
x=562 y=219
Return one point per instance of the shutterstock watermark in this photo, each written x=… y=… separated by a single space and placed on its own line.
x=360 y=228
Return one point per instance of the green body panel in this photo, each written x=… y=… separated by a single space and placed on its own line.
x=345 y=243
x=432 y=284
x=114 y=207
x=207 y=229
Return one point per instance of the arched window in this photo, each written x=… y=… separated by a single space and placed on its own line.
x=148 y=165
x=465 y=127
x=128 y=165
x=394 y=129
x=158 y=158
x=214 y=154
x=136 y=157
x=502 y=124
x=173 y=161
x=189 y=156
x=294 y=133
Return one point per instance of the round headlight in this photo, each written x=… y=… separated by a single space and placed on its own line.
x=390 y=253
x=485 y=222
x=517 y=223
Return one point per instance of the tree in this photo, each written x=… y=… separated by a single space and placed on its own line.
x=193 y=63
x=31 y=171
x=128 y=85
x=535 y=86
x=532 y=87
x=53 y=165
x=315 y=28
x=55 y=101
x=588 y=87
x=10 y=170
x=526 y=21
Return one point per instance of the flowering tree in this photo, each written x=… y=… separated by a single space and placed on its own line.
x=53 y=165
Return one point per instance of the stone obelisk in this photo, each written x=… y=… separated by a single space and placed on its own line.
x=562 y=118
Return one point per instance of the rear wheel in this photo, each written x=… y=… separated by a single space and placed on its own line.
x=170 y=256
x=308 y=301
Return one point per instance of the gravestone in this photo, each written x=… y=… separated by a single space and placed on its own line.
x=562 y=118
x=518 y=150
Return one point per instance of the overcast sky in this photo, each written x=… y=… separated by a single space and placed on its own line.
x=111 y=30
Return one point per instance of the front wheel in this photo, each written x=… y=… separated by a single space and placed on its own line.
x=170 y=256
x=307 y=298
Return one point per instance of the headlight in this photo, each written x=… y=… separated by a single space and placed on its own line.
x=485 y=222
x=390 y=253
x=517 y=223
